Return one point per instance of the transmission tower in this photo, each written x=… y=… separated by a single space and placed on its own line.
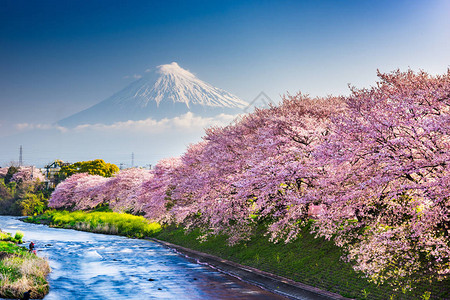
x=132 y=159
x=20 y=156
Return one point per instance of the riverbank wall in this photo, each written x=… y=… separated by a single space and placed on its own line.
x=265 y=280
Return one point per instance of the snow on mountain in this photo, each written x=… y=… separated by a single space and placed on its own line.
x=167 y=91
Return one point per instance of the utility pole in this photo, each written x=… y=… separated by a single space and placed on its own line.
x=132 y=159
x=20 y=156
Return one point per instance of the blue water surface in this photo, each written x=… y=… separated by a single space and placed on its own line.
x=97 y=266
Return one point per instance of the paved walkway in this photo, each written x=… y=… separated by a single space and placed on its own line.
x=267 y=281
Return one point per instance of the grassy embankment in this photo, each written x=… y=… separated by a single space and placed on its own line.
x=310 y=260
x=100 y=222
x=21 y=271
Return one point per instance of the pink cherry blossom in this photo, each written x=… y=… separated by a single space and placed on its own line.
x=28 y=174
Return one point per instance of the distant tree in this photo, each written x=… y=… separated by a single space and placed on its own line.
x=3 y=172
x=4 y=192
x=85 y=191
x=27 y=174
x=92 y=167
x=65 y=191
x=9 y=175
x=22 y=191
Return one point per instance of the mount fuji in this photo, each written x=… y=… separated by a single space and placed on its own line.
x=167 y=91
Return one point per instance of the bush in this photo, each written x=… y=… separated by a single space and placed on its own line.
x=18 y=237
x=33 y=204
x=6 y=236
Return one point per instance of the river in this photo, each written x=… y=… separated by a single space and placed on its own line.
x=96 y=266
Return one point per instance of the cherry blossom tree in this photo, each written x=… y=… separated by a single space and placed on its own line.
x=154 y=194
x=254 y=170
x=84 y=191
x=64 y=194
x=3 y=172
x=28 y=174
x=388 y=166
x=87 y=193
x=120 y=190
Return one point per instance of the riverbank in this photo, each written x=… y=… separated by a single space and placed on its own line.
x=267 y=281
x=312 y=261
x=315 y=262
x=21 y=271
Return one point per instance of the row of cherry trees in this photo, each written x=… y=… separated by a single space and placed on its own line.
x=372 y=169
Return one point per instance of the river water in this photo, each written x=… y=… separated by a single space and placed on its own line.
x=97 y=266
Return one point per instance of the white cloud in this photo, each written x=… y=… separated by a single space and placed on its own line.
x=188 y=121
x=30 y=126
x=151 y=124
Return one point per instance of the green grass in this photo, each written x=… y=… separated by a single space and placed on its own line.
x=6 y=236
x=10 y=247
x=101 y=222
x=21 y=271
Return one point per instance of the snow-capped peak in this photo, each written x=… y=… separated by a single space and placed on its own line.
x=174 y=68
x=179 y=85
x=165 y=91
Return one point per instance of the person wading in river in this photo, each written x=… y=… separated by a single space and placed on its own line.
x=31 y=247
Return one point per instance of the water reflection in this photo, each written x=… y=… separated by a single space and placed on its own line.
x=96 y=266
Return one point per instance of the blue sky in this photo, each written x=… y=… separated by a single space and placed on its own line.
x=59 y=57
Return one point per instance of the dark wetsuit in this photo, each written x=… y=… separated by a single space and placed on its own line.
x=26 y=295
